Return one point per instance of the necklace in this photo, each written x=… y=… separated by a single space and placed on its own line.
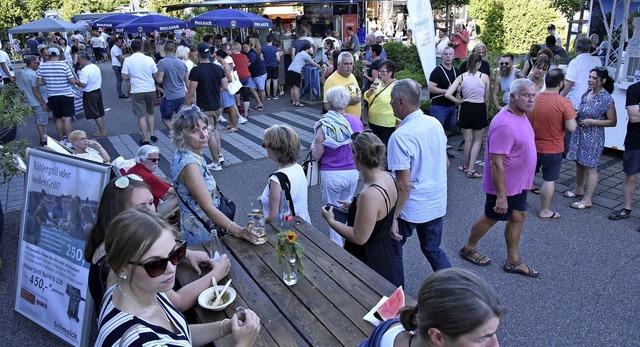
x=126 y=296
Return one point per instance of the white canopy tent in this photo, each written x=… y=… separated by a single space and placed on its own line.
x=46 y=25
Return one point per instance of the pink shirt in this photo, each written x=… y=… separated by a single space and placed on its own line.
x=460 y=51
x=513 y=136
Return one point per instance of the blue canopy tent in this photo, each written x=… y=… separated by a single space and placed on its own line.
x=151 y=22
x=113 y=20
x=230 y=18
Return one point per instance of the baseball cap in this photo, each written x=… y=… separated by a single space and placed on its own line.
x=54 y=51
x=378 y=33
x=204 y=49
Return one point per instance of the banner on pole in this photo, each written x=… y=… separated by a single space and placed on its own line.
x=423 y=32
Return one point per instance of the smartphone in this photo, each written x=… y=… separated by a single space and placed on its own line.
x=339 y=213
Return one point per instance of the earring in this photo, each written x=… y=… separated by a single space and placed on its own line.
x=123 y=276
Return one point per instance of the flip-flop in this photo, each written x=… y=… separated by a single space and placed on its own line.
x=474 y=174
x=579 y=206
x=553 y=216
x=462 y=168
x=570 y=194
x=535 y=190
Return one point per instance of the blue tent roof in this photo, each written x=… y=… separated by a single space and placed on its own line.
x=230 y=18
x=46 y=24
x=113 y=20
x=151 y=22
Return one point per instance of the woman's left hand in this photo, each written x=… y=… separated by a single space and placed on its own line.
x=252 y=233
x=198 y=259
x=327 y=213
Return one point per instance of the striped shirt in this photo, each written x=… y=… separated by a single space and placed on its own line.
x=56 y=75
x=113 y=325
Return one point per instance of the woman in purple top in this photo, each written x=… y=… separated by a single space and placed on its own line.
x=332 y=147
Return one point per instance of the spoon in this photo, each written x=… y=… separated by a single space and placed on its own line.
x=215 y=288
x=223 y=291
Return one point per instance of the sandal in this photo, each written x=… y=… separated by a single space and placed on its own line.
x=621 y=214
x=259 y=108
x=535 y=190
x=513 y=269
x=474 y=174
x=474 y=257
x=570 y=194
x=462 y=168
x=580 y=206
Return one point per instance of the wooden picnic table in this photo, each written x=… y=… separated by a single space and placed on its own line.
x=325 y=307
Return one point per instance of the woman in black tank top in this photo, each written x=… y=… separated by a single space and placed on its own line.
x=370 y=213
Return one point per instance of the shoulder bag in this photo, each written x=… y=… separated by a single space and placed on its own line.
x=285 y=185
x=227 y=207
x=235 y=85
x=311 y=170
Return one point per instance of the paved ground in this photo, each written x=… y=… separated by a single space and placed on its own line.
x=587 y=293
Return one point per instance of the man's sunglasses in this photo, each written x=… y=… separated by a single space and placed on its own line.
x=155 y=160
x=157 y=267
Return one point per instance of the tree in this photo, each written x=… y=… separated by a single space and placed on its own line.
x=569 y=7
x=71 y=8
x=11 y=15
x=160 y=5
x=442 y=4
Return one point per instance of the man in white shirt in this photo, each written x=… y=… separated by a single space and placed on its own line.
x=139 y=71
x=6 y=69
x=417 y=154
x=116 y=64
x=578 y=72
x=90 y=82
x=442 y=42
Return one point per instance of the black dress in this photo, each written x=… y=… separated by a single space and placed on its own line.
x=377 y=252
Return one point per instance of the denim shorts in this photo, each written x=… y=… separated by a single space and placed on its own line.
x=226 y=99
x=257 y=82
x=631 y=162
x=445 y=114
x=550 y=165
x=42 y=116
x=516 y=202
x=169 y=107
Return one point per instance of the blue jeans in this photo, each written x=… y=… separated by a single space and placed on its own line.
x=445 y=114
x=169 y=107
x=430 y=236
x=118 y=71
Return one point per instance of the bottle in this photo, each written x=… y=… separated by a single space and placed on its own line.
x=217 y=249
x=281 y=207
x=287 y=216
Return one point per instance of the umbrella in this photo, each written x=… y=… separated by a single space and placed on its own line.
x=151 y=22
x=113 y=20
x=230 y=18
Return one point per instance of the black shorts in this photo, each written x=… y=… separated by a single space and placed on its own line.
x=550 y=165
x=273 y=72
x=631 y=162
x=516 y=202
x=473 y=116
x=61 y=106
x=294 y=79
x=92 y=103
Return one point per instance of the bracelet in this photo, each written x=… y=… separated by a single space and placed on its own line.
x=228 y=226
x=222 y=327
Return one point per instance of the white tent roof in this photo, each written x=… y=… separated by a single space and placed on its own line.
x=46 y=24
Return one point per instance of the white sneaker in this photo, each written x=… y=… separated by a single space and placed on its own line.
x=220 y=158
x=448 y=146
x=214 y=167
x=221 y=119
x=242 y=120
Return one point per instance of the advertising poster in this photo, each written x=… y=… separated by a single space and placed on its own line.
x=349 y=20
x=62 y=193
x=423 y=33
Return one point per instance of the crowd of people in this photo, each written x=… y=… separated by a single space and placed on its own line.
x=399 y=152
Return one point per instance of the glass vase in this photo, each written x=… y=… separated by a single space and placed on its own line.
x=289 y=268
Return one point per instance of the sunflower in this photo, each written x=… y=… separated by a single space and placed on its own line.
x=291 y=237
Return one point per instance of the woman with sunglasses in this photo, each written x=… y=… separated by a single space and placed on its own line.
x=194 y=184
x=382 y=121
x=122 y=194
x=596 y=112
x=164 y=196
x=143 y=252
x=370 y=214
x=332 y=147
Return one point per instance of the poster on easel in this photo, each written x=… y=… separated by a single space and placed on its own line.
x=62 y=195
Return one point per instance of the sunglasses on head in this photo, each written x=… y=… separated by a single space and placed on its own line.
x=189 y=111
x=123 y=182
x=355 y=135
x=156 y=268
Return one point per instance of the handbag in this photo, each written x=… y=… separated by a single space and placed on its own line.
x=311 y=170
x=235 y=85
x=227 y=207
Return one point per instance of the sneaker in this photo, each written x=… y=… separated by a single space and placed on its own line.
x=242 y=120
x=220 y=158
x=221 y=119
x=268 y=98
x=620 y=214
x=214 y=167
x=100 y=134
x=282 y=93
x=275 y=97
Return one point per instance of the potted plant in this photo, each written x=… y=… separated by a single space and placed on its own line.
x=13 y=110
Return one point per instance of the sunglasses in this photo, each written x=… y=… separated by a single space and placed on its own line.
x=123 y=182
x=189 y=111
x=155 y=160
x=505 y=64
x=157 y=267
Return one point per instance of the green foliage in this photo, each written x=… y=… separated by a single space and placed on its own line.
x=8 y=152
x=13 y=109
x=513 y=25
x=442 y=4
x=405 y=57
x=425 y=106
x=70 y=8
x=569 y=7
x=159 y=6
x=415 y=74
